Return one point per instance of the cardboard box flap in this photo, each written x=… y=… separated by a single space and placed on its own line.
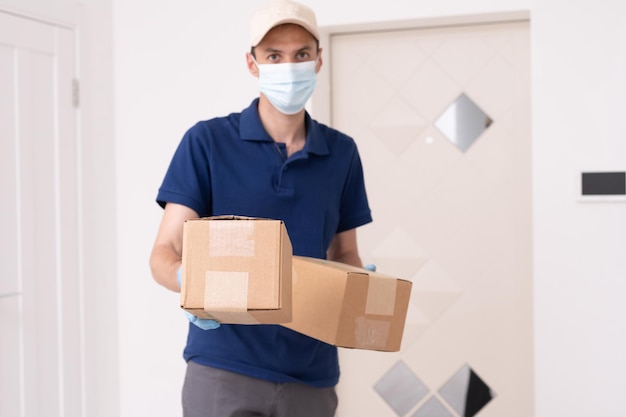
x=230 y=217
x=349 y=269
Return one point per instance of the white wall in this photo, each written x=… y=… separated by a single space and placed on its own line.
x=174 y=66
x=174 y=63
x=580 y=272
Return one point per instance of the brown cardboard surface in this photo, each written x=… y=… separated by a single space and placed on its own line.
x=237 y=270
x=348 y=306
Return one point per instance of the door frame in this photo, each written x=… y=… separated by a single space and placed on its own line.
x=59 y=14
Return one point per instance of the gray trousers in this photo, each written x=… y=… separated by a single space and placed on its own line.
x=212 y=392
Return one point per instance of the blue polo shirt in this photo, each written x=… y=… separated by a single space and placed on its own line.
x=230 y=165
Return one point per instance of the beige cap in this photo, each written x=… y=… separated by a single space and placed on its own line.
x=278 y=12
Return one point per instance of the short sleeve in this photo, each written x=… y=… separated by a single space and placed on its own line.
x=355 y=210
x=188 y=179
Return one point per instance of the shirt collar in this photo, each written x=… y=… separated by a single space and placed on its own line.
x=251 y=128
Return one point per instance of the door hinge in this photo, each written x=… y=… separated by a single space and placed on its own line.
x=75 y=93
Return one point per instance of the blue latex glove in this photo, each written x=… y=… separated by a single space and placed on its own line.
x=204 y=324
x=370 y=267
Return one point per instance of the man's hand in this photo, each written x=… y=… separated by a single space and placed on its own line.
x=204 y=324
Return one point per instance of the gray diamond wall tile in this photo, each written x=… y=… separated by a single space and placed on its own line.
x=432 y=408
x=401 y=388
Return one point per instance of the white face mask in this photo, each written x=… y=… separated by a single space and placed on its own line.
x=288 y=86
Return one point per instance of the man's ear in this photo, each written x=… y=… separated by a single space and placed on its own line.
x=318 y=66
x=252 y=67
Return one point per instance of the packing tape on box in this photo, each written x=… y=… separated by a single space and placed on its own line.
x=372 y=334
x=228 y=238
x=235 y=317
x=226 y=297
x=226 y=291
x=381 y=296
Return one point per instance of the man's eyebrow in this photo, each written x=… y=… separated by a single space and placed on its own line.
x=275 y=51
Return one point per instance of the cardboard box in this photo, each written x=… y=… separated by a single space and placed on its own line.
x=237 y=270
x=347 y=306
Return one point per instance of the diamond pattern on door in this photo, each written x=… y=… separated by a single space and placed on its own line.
x=397 y=126
x=432 y=408
x=455 y=221
x=464 y=394
x=463 y=122
x=401 y=389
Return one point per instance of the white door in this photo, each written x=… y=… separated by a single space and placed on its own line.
x=40 y=316
x=441 y=118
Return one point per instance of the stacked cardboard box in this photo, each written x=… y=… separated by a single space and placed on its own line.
x=237 y=270
x=348 y=306
x=241 y=270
